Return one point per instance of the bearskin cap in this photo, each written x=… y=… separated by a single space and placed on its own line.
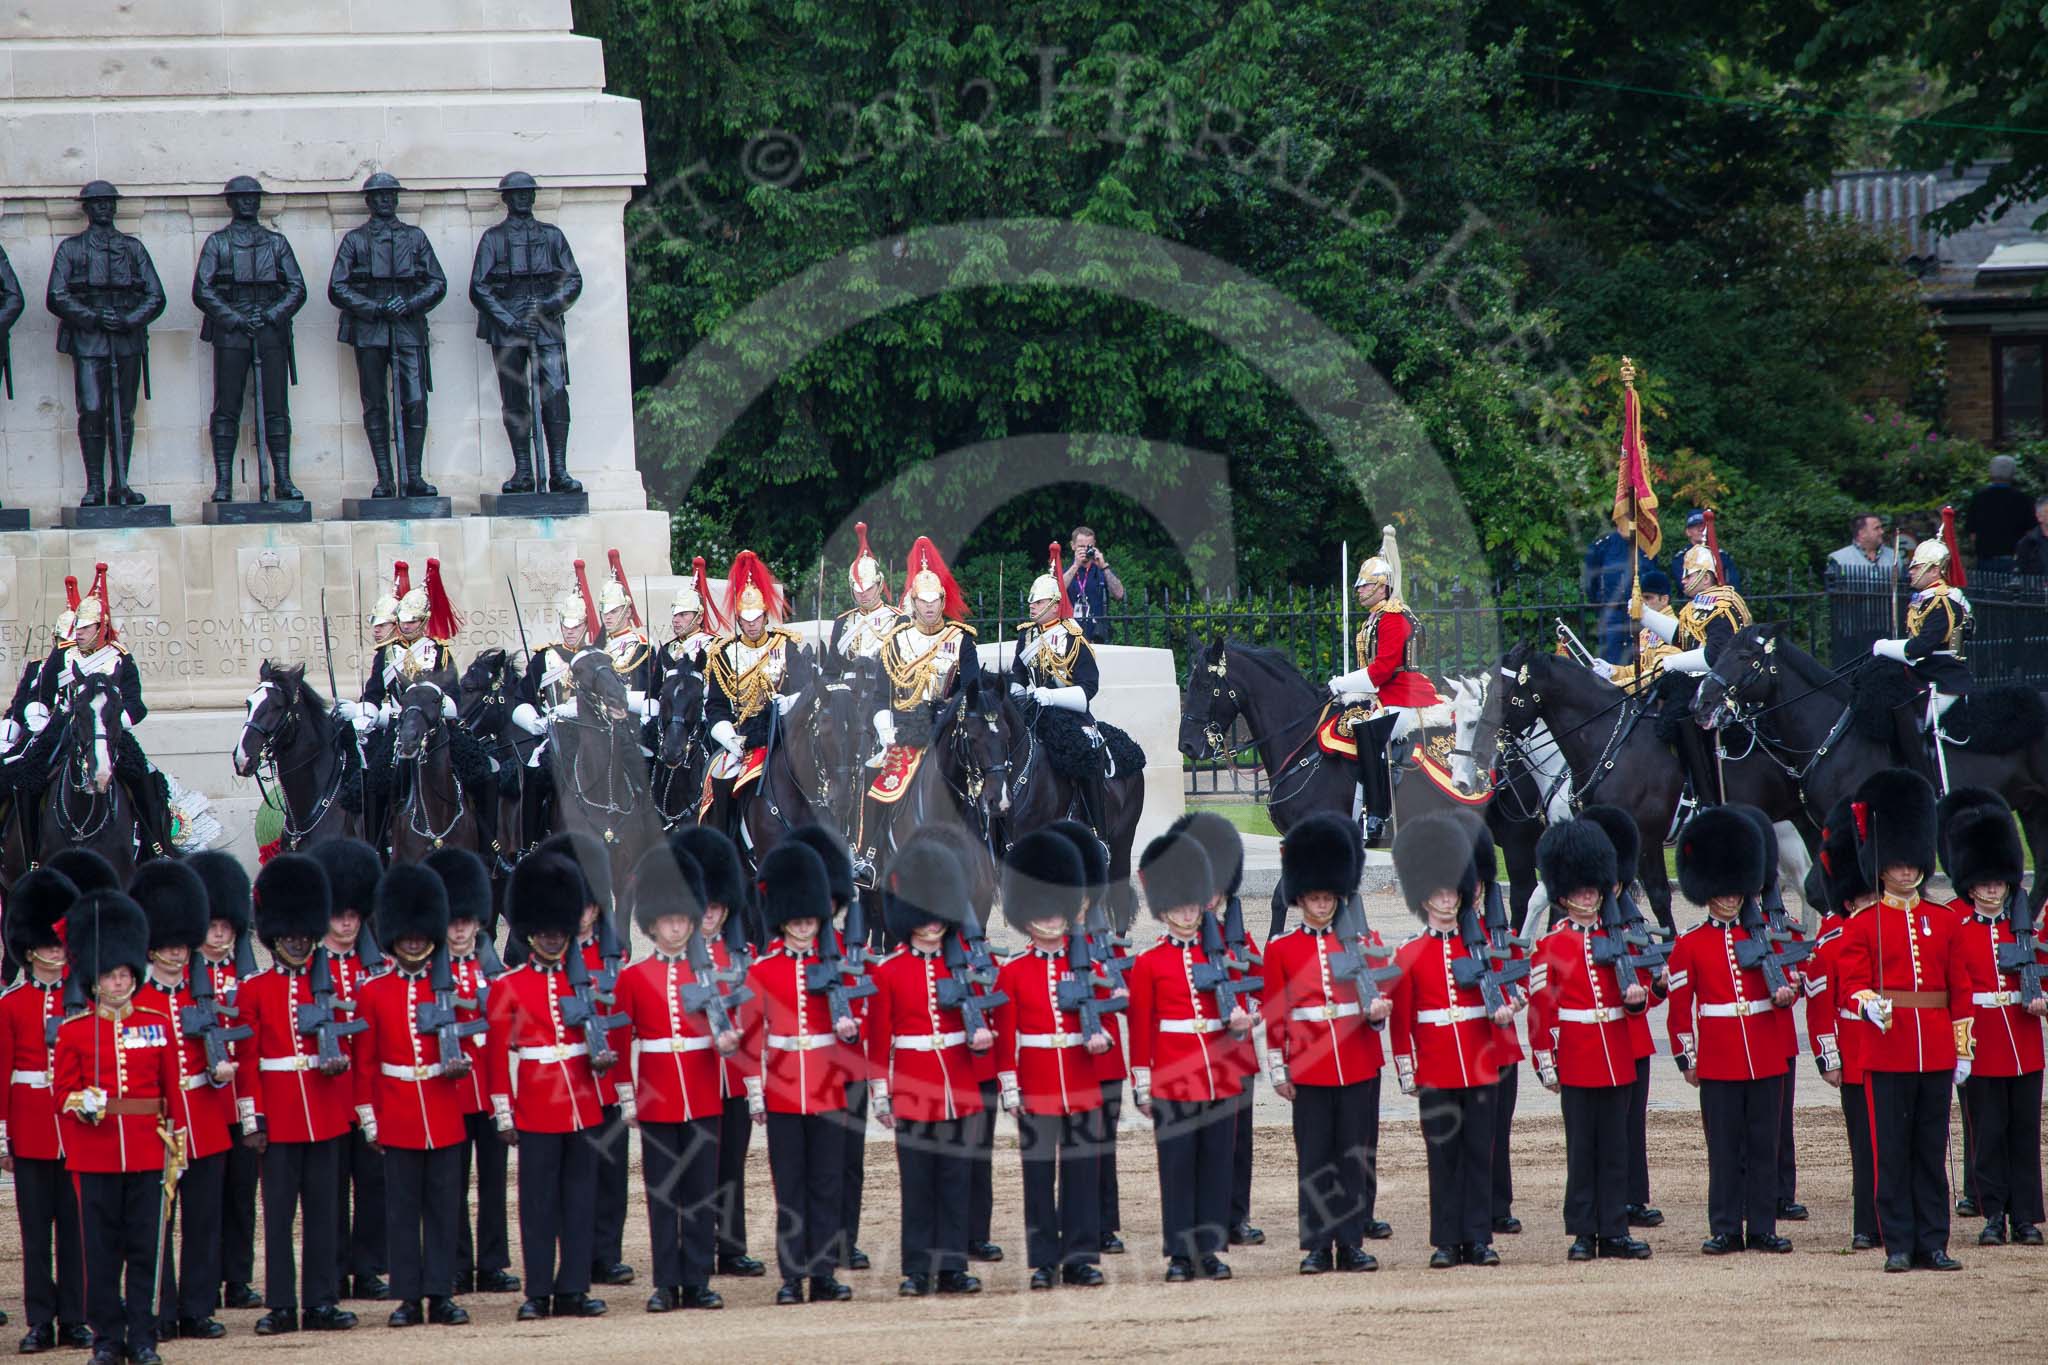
x=1174 y=871
x=174 y=901
x=794 y=885
x=924 y=883
x=227 y=886
x=1322 y=853
x=88 y=871
x=465 y=879
x=590 y=859
x=1573 y=856
x=1720 y=854
x=292 y=899
x=831 y=850
x=725 y=881
x=1044 y=877
x=353 y=870
x=105 y=930
x=667 y=881
x=547 y=896
x=1843 y=879
x=1894 y=817
x=1984 y=846
x=1220 y=841
x=1620 y=828
x=36 y=906
x=1094 y=857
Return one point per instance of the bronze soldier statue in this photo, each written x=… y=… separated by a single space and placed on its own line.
x=105 y=293
x=522 y=282
x=248 y=286
x=10 y=312
x=386 y=280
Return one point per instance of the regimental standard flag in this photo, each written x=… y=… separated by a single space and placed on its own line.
x=1633 y=496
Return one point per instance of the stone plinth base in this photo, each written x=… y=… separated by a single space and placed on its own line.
x=115 y=518
x=13 y=518
x=395 y=509
x=201 y=607
x=534 y=504
x=282 y=510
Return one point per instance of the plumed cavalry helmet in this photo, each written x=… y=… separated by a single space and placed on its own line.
x=1700 y=559
x=381 y=180
x=1930 y=554
x=611 y=597
x=695 y=595
x=1384 y=567
x=750 y=591
x=866 y=571
x=931 y=581
x=1052 y=583
x=242 y=184
x=517 y=180
x=386 y=611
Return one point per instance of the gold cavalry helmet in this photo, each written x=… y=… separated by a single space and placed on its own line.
x=1699 y=559
x=1930 y=554
x=413 y=606
x=686 y=599
x=611 y=597
x=866 y=571
x=569 y=609
x=1374 y=570
x=385 y=612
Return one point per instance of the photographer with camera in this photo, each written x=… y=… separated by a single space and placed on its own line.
x=1092 y=585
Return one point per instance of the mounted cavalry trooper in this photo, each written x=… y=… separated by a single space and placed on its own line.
x=547 y=692
x=1651 y=648
x=91 y=649
x=632 y=653
x=752 y=682
x=14 y=729
x=859 y=631
x=1387 y=680
x=694 y=624
x=417 y=650
x=1055 y=669
x=927 y=660
x=1937 y=632
x=1700 y=631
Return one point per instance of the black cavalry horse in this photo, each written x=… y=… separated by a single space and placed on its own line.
x=431 y=792
x=602 y=786
x=1829 y=734
x=1035 y=796
x=485 y=699
x=292 y=732
x=680 y=755
x=80 y=804
x=961 y=778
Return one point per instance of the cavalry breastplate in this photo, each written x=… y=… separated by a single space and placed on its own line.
x=102 y=661
x=1058 y=651
x=921 y=667
x=751 y=674
x=1930 y=601
x=867 y=631
x=555 y=683
x=1367 y=642
x=627 y=649
x=1716 y=603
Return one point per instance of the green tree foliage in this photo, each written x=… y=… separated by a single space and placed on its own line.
x=1412 y=176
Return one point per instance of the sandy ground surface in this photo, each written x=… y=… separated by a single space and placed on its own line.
x=1819 y=1302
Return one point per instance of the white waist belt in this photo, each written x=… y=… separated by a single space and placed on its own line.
x=195 y=1081
x=1051 y=1040
x=1190 y=1025
x=1736 y=1009
x=554 y=1052
x=1460 y=1014
x=1310 y=1014
x=932 y=1042
x=1605 y=1014
x=411 y=1073
x=650 y=1045
x=296 y=1062
x=1988 y=999
x=40 y=1079
x=802 y=1042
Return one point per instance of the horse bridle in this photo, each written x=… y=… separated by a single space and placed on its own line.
x=82 y=781
x=266 y=757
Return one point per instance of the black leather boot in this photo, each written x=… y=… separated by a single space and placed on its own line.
x=557 y=433
x=93 y=447
x=223 y=463
x=380 y=456
x=416 y=485
x=520 y=434
x=281 y=486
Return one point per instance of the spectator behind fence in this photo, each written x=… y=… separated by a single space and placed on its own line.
x=1695 y=533
x=2031 y=555
x=1092 y=586
x=1605 y=580
x=1998 y=515
x=1866 y=550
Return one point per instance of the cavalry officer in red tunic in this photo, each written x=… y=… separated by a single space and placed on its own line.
x=484 y=1264
x=1225 y=849
x=924 y=1086
x=409 y=1098
x=1182 y=1075
x=726 y=905
x=1620 y=828
x=1724 y=1032
x=544 y=1090
x=31 y=1143
x=1444 y=1046
x=679 y=1042
x=228 y=957
x=1111 y=1070
x=1835 y=1027
x=1985 y=863
x=353 y=956
x=1045 y=1060
x=1389 y=675
x=175 y=902
x=1578 y=1031
x=798 y=1086
x=294 y=1112
x=116 y=1069
x=1894 y=969
x=1323 y=1050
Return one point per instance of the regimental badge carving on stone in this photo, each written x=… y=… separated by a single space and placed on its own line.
x=267 y=579
x=132 y=584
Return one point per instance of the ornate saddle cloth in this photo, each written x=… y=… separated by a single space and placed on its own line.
x=724 y=767
x=899 y=765
x=1335 y=734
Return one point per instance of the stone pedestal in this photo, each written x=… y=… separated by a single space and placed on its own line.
x=14 y=519
x=114 y=518
x=396 y=509
x=278 y=511
x=535 y=504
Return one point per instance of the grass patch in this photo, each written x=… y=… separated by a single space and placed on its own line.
x=1249 y=816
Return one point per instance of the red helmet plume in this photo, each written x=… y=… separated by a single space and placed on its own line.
x=1714 y=544
x=926 y=576
x=625 y=584
x=99 y=590
x=866 y=571
x=1957 y=578
x=714 y=620
x=593 y=627
x=442 y=623
x=1066 y=602
x=750 y=590
x=401 y=579
x=71 y=591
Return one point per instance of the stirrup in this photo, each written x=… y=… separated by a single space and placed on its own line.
x=1680 y=814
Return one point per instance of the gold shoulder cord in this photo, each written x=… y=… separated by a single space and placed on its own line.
x=749 y=690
